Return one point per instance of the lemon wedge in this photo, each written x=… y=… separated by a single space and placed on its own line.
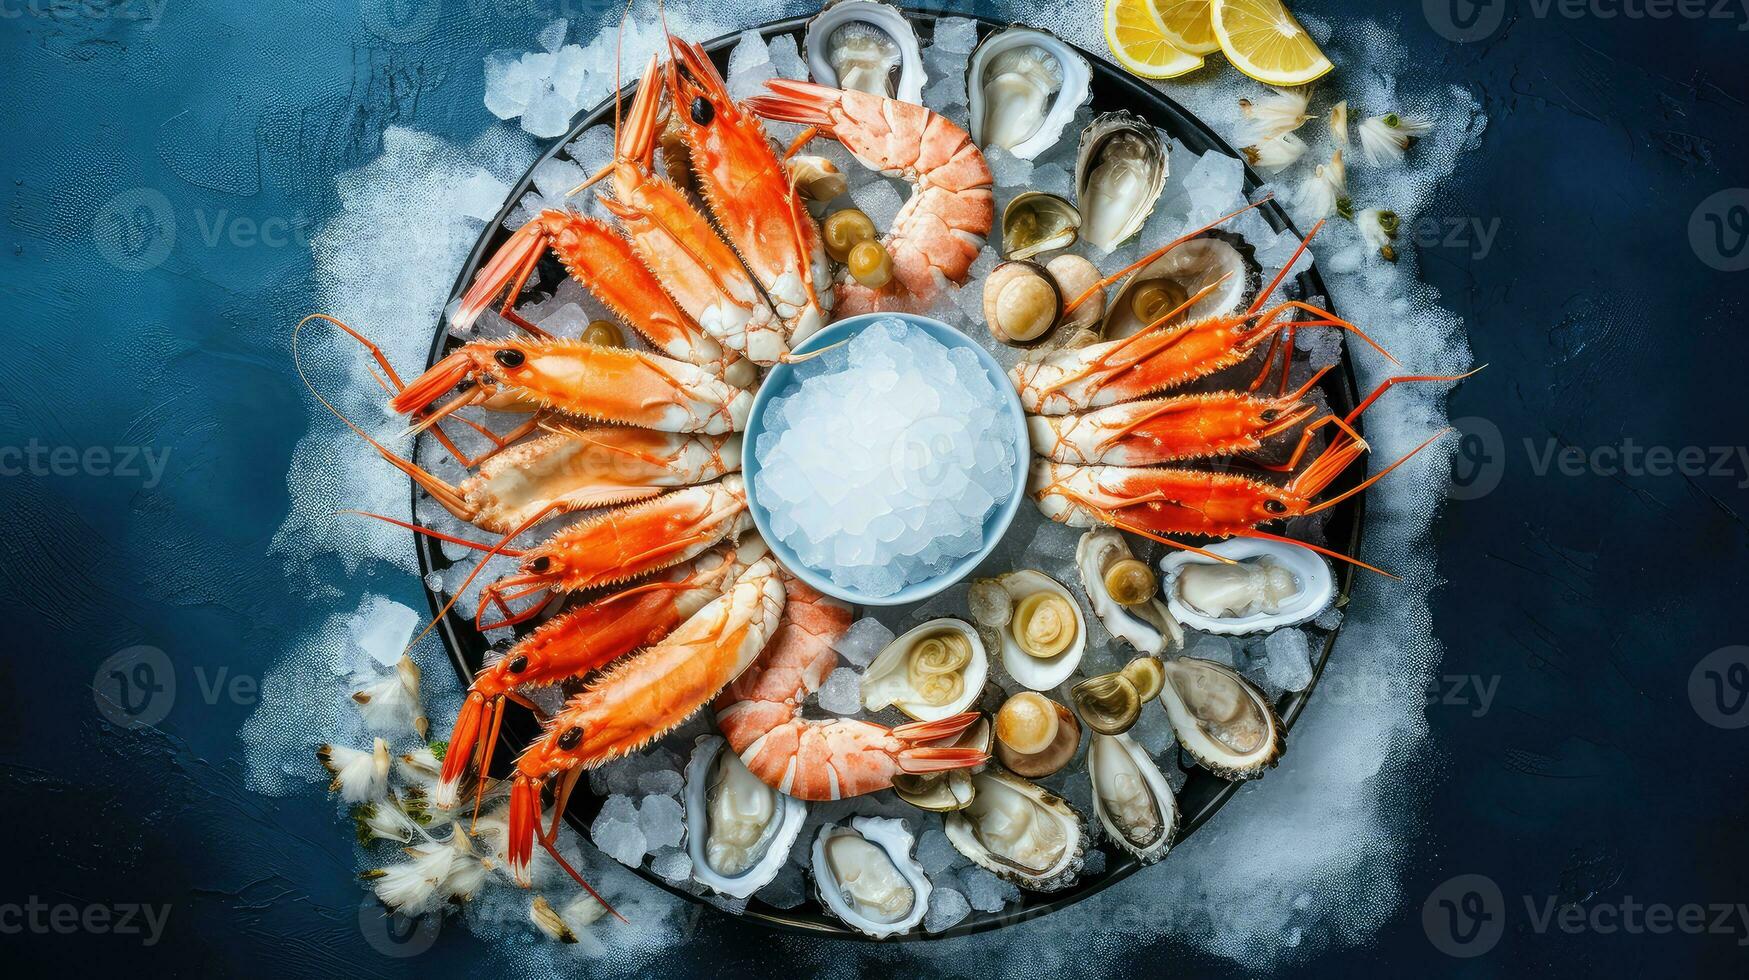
x=1140 y=43
x=1264 y=41
x=1188 y=25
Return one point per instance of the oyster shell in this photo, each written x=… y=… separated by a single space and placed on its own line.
x=1020 y=831
x=1043 y=633
x=1132 y=799
x=738 y=830
x=1119 y=173
x=1185 y=271
x=867 y=46
x=934 y=670
x=1221 y=719
x=1024 y=86
x=1270 y=585
x=951 y=790
x=1148 y=626
x=1037 y=222
x=865 y=875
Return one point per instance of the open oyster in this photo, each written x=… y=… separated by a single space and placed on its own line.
x=1043 y=631
x=1215 y=258
x=866 y=46
x=1268 y=585
x=1119 y=173
x=865 y=875
x=1221 y=719
x=1037 y=222
x=738 y=830
x=1019 y=831
x=1124 y=593
x=950 y=790
x=931 y=672
x=1132 y=799
x=1024 y=86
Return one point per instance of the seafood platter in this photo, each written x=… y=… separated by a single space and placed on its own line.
x=877 y=477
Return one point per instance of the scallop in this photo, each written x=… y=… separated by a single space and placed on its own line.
x=1020 y=832
x=933 y=671
x=1044 y=634
x=738 y=830
x=865 y=875
x=1133 y=801
x=1037 y=222
x=1266 y=585
x=1024 y=85
x=1021 y=303
x=865 y=46
x=1076 y=277
x=1221 y=719
x=1221 y=263
x=1104 y=559
x=1119 y=173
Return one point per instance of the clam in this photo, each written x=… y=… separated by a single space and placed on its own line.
x=1020 y=832
x=1044 y=633
x=1024 y=86
x=1075 y=275
x=1265 y=586
x=1221 y=719
x=1125 y=593
x=1110 y=703
x=931 y=672
x=1119 y=173
x=1021 y=303
x=951 y=790
x=1035 y=736
x=865 y=46
x=865 y=875
x=738 y=830
x=1133 y=801
x=1037 y=222
x=1215 y=259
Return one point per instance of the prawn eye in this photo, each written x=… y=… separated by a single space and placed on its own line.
x=1275 y=506
x=509 y=357
x=518 y=664
x=540 y=564
x=569 y=738
x=1270 y=415
x=702 y=111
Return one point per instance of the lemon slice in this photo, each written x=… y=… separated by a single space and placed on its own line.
x=1140 y=43
x=1188 y=25
x=1264 y=41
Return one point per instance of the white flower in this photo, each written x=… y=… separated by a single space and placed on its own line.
x=384 y=820
x=393 y=700
x=1280 y=112
x=1384 y=138
x=359 y=776
x=1325 y=191
x=1378 y=227
x=467 y=874
x=1276 y=154
x=1339 y=123
x=437 y=871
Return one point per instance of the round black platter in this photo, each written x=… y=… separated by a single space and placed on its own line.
x=1202 y=795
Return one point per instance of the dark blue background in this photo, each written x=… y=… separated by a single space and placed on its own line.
x=1588 y=598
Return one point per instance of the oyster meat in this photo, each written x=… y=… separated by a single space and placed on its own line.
x=1132 y=799
x=1119 y=173
x=1221 y=719
x=1124 y=596
x=865 y=46
x=1020 y=831
x=1268 y=585
x=931 y=672
x=865 y=875
x=1024 y=86
x=1220 y=262
x=738 y=830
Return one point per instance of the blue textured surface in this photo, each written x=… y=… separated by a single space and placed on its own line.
x=1583 y=602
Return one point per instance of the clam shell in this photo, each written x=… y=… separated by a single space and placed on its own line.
x=1037 y=222
x=906 y=77
x=1120 y=171
x=1148 y=627
x=1200 y=262
x=885 y=682
x=1316 y=586
x=1009 y=80
x=1033 y=672
x=951 y=790
x=773 y=847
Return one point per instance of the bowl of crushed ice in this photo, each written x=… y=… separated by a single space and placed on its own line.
x=883 y=469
